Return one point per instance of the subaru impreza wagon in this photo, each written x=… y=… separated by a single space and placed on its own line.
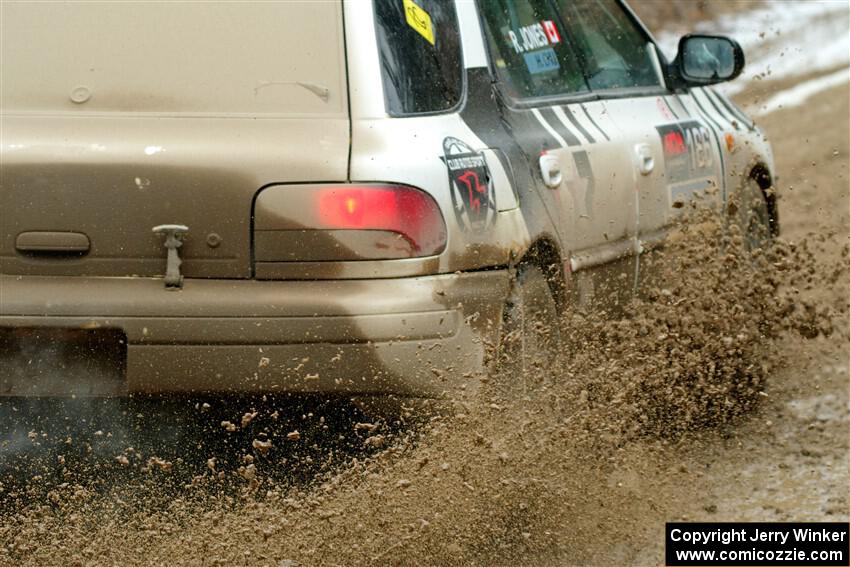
x=355 y=197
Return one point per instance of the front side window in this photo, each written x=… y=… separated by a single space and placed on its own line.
x=419 y=45
x=614 y=53
x=532 y=53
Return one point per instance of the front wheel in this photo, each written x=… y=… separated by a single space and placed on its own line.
x=749 y=211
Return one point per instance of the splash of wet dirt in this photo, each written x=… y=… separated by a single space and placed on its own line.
x=495 y=481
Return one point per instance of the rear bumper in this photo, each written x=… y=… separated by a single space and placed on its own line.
x=422 y=336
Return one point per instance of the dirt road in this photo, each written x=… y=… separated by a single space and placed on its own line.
x=535 y=483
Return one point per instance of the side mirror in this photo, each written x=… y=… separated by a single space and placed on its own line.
x=708 y=59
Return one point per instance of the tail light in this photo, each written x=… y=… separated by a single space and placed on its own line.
x=298 y=223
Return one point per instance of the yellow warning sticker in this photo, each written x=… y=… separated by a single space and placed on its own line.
x=419 y=19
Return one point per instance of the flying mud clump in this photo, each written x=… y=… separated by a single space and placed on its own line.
x=696 y=347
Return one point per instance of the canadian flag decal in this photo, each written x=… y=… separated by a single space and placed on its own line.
x=551 y=31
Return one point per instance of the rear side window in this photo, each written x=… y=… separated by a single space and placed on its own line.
x=531 y=52
x=615 y=54
x=419 y=45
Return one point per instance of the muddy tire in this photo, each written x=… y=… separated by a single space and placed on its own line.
x=531 y=335
x=748 y=210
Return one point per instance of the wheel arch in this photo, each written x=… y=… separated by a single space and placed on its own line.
x=546 y=255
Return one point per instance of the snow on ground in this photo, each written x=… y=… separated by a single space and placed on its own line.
x=784 y=39
x=800 y=93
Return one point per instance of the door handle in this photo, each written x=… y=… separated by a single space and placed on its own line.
x=52 y=242
x=550 y=169
x=644 y=158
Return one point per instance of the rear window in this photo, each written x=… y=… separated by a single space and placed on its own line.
x=271 y=58
x=420 y=52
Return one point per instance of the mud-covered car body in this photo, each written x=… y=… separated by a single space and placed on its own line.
x=359 y=181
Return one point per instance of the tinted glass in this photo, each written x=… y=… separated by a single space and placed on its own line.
x=532 y=54
x=614 y=52
x=419 y=43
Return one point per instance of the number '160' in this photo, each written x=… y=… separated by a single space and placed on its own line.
x=700 y=141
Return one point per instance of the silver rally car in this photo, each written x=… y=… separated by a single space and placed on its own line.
x=352 y=196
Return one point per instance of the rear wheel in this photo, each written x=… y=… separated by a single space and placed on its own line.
x=530 y=333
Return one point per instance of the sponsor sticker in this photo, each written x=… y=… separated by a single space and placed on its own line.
x=541 y=61
x=534 y=36
x=471 y=186
x=419 y=20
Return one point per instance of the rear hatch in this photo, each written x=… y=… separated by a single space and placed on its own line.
x=120 y=116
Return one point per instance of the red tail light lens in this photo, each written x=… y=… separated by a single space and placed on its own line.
x=408 y=212
x=347 y=222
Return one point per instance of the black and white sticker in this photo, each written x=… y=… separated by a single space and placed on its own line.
x=473 y=198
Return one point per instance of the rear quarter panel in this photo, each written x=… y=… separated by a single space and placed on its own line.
x=412 y=151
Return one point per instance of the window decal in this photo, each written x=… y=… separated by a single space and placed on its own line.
x=542 y=61
x=551 y=31
x=534 y=36
x=419 y=20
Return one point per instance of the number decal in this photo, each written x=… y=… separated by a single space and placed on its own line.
x=688 y=152
x=699 y=139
